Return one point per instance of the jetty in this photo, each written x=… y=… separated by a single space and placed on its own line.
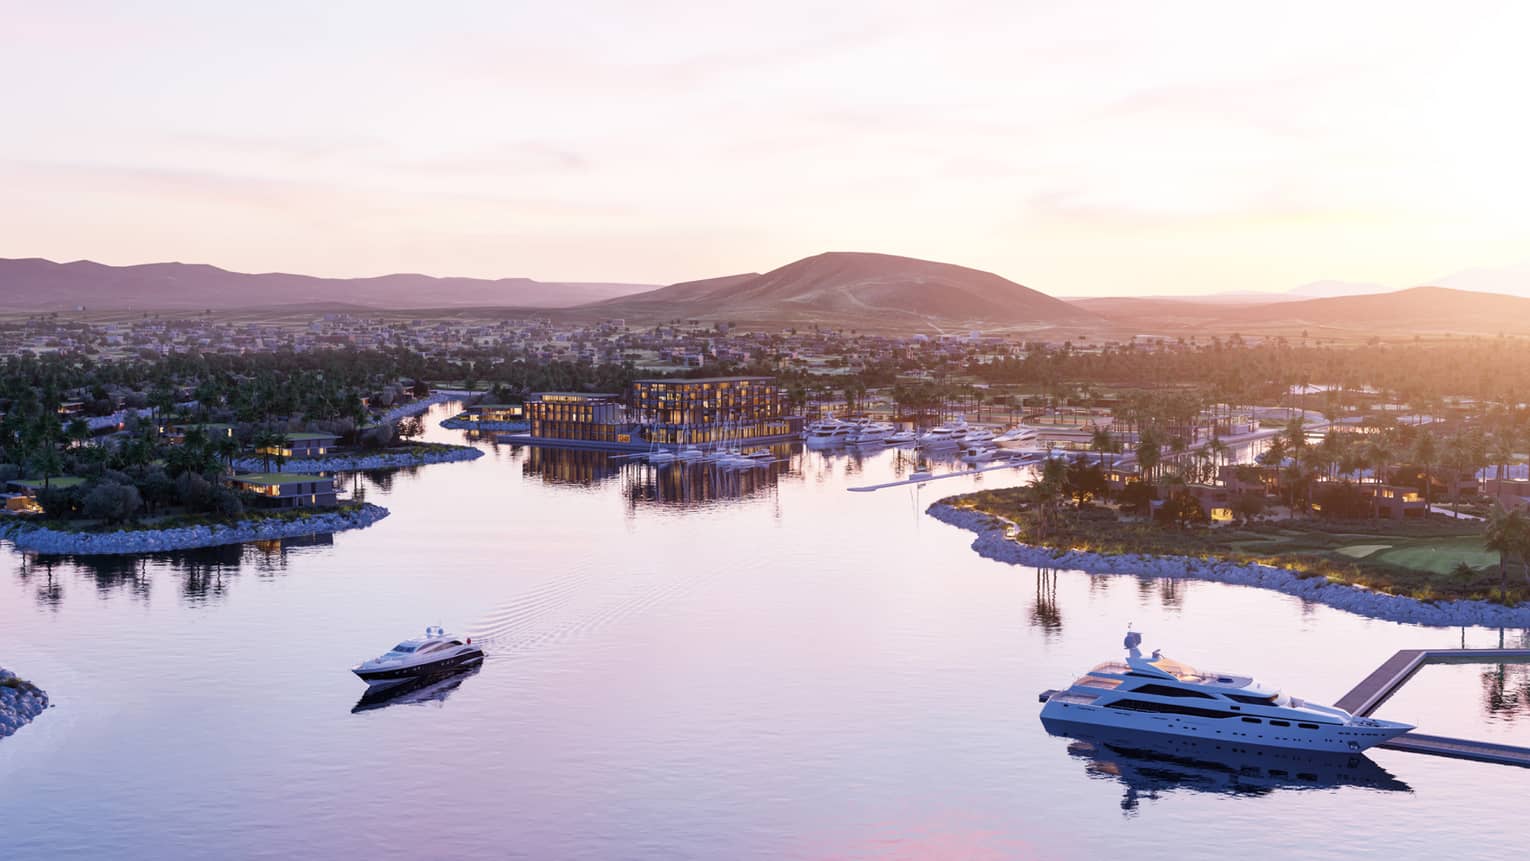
x=1388 y=678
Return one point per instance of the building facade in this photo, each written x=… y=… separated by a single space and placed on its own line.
x=675 y=412
x=288 y=490
x=710 y=410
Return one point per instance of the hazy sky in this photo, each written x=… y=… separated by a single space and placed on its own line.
x=1107 y=148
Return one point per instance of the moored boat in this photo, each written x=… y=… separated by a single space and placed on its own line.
x=1159 y=694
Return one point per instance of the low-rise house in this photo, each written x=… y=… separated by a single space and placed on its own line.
x=302 y=444
x=496 y=413
x=288 y=490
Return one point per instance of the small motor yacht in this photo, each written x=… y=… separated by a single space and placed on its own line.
x=901 y=437
x=435 y=652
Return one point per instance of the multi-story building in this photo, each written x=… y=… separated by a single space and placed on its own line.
x=667 y=412
x=711 y=409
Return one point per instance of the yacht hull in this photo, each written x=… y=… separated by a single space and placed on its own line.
x=396 y=675
x=1059 y=716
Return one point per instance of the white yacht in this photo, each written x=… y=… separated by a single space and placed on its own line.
x=435 y=652
x=1018 y=436
x=901 y=437
x=944 y=436
x=1161 y=695
x=829 y=432
x=977 y=452
x=978 y=435
x=690 y=452
x=871 y=433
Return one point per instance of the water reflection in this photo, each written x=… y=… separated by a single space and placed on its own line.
x=1046 y=613
x=430 y=689
x=679 y=484
x=1150 y=765
x=205 y=573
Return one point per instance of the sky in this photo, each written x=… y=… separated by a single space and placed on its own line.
x=1099 y=149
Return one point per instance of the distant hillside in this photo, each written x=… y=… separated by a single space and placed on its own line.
x=849 y=288
x=1420 y=309
x=34 y=284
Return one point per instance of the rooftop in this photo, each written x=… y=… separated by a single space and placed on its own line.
x=278 y=478
x=705 y=380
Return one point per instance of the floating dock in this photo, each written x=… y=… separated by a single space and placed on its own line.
x=1388 y=678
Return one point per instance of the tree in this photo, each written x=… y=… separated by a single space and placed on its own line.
x=1508 y=533
x=112 y=502
x=1425 y=454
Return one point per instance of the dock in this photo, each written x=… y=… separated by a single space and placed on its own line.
x=1018 y=464
x=1388 y=678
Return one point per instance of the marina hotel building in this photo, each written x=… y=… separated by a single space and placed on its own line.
x=675 y=412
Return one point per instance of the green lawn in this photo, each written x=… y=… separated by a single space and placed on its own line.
x=1418 y=558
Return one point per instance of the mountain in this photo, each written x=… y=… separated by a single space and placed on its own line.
x=34 y=284
x=856 y=288
x=1416 y=310
x=1330 y=288
x=1513 y=280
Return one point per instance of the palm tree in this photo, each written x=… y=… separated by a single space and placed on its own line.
x=1425 y=453
x=1508 y=533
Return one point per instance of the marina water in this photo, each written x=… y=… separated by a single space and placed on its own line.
x=686 y=663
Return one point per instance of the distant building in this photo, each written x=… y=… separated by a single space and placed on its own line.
x=302 y=445
x=498 y=413
x=288 y=490
x=666 y=412
x=176 y=434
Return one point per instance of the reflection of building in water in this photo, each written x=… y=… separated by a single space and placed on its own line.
x=1149 y=765
x=733 y=410
x=569 y=465
x=682 y=483
x=699 y=483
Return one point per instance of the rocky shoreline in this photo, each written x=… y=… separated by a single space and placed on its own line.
x=459 y=423
x=20 y=702
x=993 y=542
x=360 y=462
x=41 y=539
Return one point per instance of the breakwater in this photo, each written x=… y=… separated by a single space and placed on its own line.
x=20 y=702
x=358 y=461
x=41 y=539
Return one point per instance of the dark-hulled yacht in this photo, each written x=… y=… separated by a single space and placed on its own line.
x=434 y=653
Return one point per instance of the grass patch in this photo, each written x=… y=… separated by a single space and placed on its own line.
x=19 y=684
x=1414 y=558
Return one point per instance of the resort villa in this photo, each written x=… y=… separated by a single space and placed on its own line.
x=496 y=413
x=669 y=412
x=302 y=445
x=288 y=490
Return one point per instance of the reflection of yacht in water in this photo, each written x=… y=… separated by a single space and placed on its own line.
x=433 y=688
x=1152 y=763
x=1159 y=694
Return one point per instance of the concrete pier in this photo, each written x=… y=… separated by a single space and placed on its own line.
x=1386 y=679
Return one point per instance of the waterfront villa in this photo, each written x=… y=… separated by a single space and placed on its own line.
x=674 y=412
x=302 y=445
x=288 y=490
x=496 y=413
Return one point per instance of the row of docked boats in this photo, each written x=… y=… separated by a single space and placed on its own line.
x=832 y=432
x=723 y=458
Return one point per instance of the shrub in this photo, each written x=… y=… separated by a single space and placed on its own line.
x=112 y=502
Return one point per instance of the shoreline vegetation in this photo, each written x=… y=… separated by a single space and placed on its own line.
x=413 y=454
x=20 y=702
x=186 y=532
x=1101 y=545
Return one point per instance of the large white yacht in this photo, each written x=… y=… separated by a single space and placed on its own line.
x=433 y=653
x=828 y=432
x=1161 y=695
x=871 y=433
x=944 y=436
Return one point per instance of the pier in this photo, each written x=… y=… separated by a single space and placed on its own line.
x=1009 y=464
x=1388 y=678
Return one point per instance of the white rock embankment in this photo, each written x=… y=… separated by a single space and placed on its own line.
x=458 y=423
x=993 y=542
x=18 y=704
x=358 y=462
x=41 y=539
x=414 y=408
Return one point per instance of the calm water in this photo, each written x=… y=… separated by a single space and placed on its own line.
x=697 y=666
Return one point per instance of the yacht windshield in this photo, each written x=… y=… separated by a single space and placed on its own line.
x=405 y=647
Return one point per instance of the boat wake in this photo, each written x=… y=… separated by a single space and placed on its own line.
x=574 y=608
